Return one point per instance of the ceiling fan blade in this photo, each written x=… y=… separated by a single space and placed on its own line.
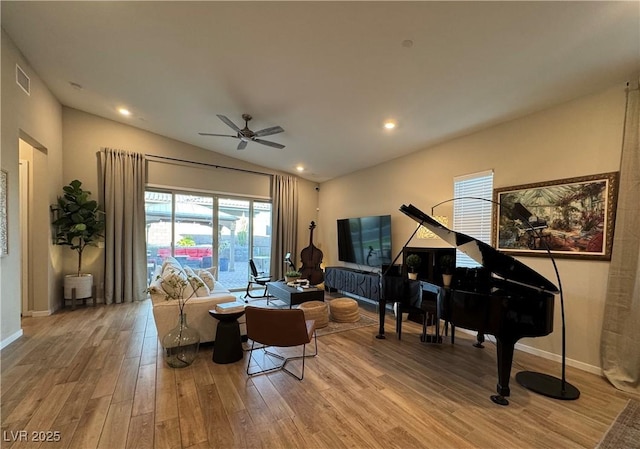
x=242 y=145
x=220 y=135
x=229 y=123
x=268 y=131
x=271 y=144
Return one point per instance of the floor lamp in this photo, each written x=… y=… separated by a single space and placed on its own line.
x=540 y=383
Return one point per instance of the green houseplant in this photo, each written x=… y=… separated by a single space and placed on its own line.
x=78 y=223
x=292 y=275
x=413 y=262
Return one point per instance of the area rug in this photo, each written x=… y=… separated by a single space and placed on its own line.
x=332 y=328
x=625 y=430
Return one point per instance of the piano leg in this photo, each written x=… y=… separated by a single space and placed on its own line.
x=479 y=340
x=382 y=305
x=505 y=359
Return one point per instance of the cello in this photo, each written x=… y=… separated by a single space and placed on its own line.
x=311 y=258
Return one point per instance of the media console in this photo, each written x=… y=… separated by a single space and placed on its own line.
x=361 y=283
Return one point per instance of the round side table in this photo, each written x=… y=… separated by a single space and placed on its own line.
x=227 y=347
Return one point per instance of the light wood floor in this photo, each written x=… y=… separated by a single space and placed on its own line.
x=96 y=376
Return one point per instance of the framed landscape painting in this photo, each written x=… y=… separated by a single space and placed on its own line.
x=571 y=217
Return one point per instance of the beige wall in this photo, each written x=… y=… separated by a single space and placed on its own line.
x=38 y=120
x=85 y=134
x=578 y=138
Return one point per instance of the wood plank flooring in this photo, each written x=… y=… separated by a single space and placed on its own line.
x=95 y=378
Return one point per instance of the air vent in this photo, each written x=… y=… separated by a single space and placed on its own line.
x=23 y=80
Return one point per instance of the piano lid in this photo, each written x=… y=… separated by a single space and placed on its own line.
x=496 y=262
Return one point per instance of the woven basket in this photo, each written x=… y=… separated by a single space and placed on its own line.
x=344 y=310
x=316 y=310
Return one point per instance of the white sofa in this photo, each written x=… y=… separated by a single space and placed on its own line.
x=166 y=311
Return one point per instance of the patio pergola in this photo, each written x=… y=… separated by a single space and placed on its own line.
x=192 y=219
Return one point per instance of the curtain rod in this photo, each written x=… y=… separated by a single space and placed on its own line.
x=184 y=161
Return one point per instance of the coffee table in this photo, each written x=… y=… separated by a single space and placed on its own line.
x=292 y=295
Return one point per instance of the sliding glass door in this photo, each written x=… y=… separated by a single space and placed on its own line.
x=204 y=231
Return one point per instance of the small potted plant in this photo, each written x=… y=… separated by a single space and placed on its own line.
x=79 y=223
x=447 y=265
x=413 y=262
x=292 y=275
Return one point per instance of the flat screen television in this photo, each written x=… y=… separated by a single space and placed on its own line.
x=365 y=240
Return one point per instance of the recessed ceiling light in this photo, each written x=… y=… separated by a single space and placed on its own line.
x=389 y=124
x=300 y=168
x=407 y=43
x=124 y=111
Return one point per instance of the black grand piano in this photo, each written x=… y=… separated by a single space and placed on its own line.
x=511 y=302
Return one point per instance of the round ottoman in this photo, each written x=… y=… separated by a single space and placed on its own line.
x=344 y=310
x=316 y=310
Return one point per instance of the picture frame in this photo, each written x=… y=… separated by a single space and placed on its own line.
x=4 y=237
x=569 y=218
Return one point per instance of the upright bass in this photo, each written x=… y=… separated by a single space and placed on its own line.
x=311 y=258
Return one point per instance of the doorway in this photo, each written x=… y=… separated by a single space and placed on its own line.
x=24 y=237
x=36 y=297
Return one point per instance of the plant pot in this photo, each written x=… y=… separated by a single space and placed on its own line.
x=288 y=279
x=413 y=276
x=446 y=280
x=83 y=285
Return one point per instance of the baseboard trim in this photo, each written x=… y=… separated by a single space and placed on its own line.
x=558 y=358
x=41 y=313
x=549 y=356
x=10 y=339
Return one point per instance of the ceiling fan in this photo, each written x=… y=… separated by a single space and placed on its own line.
x=246 y=135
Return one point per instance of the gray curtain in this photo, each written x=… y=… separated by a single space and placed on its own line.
x=285 y=223
x=620 y=344
x=124 y=177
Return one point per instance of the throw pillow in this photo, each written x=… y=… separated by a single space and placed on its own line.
x=197 y=283
x=207 y=278
x=175 y=283
x=213 y=271
x=170 y=262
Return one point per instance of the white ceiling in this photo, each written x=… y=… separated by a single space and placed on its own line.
x=329 y=73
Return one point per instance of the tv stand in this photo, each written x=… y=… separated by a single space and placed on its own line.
x=357 y=282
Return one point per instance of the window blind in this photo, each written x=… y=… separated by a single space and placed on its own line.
x=472 y=216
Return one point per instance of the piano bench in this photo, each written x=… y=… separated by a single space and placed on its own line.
x=428 y=317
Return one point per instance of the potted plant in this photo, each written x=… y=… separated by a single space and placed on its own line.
x=79 y=223
x=447 y=265
x=292 y=275
x=223 y=254
x=413 y=262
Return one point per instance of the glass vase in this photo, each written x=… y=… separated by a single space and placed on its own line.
x=181 y=344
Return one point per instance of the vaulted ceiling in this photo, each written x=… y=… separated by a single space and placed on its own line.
x=329 y=73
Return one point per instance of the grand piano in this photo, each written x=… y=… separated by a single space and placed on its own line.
x=508 y=300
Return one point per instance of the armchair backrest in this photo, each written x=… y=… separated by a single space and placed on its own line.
x=278 y=327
